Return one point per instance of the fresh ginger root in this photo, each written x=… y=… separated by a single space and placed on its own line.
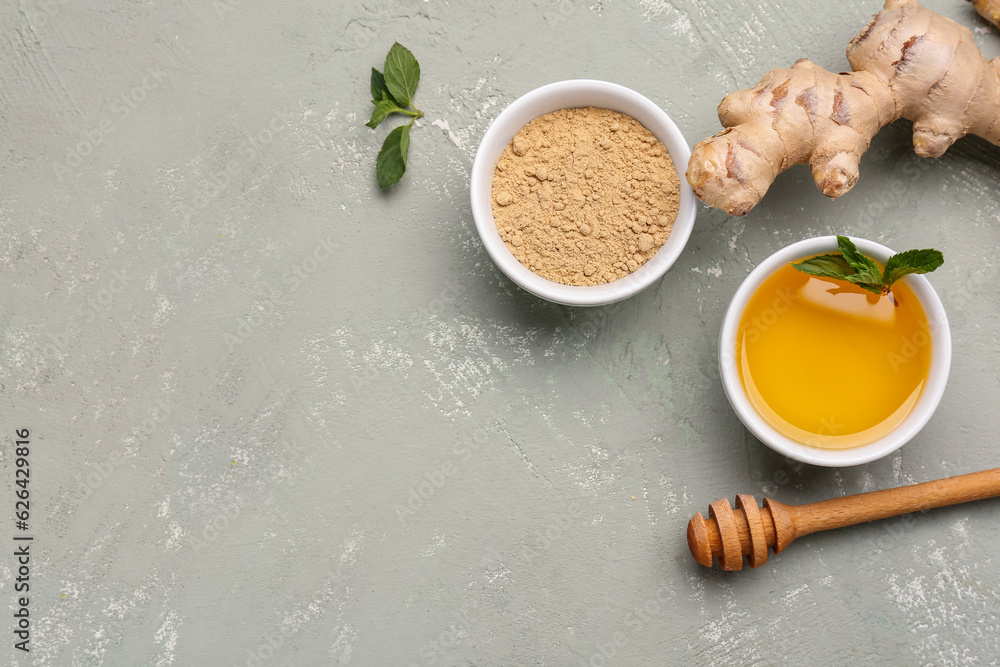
x=990 y=10
x=909 y=62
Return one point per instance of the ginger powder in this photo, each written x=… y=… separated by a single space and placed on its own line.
x=585 y=196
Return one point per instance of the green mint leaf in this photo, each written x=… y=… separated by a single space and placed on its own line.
x=868 y=270
x=876 y=289
x=849 y=251
x=391 y=163
x=402 y=72
x=859 y=269
x=862 y=282
x=826 y=266
x=911 y=261
x=392 y=92
x=379 y=90
x=382 y=109
x=870 y=273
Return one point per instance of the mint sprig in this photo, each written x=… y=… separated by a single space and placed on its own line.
x=392 y=92
x=859 y=269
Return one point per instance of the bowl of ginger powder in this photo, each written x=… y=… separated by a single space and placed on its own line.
x=576 y=194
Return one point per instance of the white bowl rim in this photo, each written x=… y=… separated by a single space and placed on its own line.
x=574 y=93
x=929 y=399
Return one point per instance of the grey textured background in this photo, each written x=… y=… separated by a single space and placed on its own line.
x=237 y=382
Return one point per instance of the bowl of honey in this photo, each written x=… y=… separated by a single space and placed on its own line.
x=825 y=372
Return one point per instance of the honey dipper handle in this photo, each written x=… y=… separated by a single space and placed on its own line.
x=863 y=507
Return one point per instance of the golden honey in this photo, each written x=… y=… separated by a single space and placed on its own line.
x=827 y=363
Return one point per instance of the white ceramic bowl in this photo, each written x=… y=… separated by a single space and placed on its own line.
x=930 y=396
x=568 y=95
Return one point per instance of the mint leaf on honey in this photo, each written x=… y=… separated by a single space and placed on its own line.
x=867 y=270
x=911 y=261
x=859 y=269
x=392 y=92
x=826 y=266
x=874 y=289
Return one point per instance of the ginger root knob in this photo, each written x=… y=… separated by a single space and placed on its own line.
x=908 y=62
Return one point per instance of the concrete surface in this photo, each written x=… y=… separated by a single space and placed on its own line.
x=280 y=418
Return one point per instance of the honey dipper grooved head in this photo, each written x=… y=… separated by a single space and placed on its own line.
x=731 y=556
x=730 y=534
x=747 y=504
x=698 y=541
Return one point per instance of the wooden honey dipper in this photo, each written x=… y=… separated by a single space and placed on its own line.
x=749 y=530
